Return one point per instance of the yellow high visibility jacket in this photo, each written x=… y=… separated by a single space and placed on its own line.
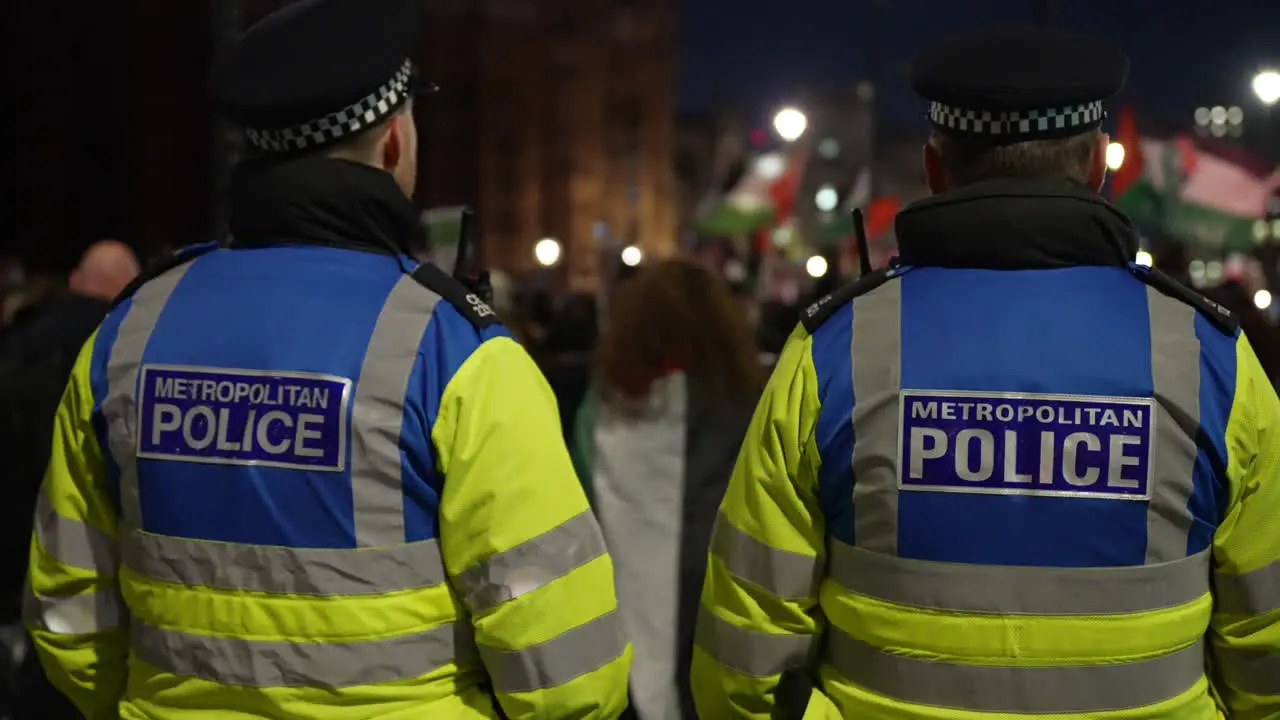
x=271 y=499
x=953 y=506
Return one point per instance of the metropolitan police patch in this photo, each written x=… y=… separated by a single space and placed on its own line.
x=243 y=417
x=1025 y=444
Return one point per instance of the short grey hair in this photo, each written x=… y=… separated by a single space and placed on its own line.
x=966 y=161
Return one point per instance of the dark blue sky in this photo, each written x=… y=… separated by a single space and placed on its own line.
x=754 y=54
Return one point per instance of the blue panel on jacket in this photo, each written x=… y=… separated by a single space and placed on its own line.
x=1209 y=497
x=449 y=341
x=1071 y=332
x=289 y=309
x=833 y=361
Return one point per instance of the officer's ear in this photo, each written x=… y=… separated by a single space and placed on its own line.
x=1098 y=162
x=934 y=176
x=393 y=148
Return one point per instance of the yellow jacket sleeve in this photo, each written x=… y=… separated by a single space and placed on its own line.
x=758 y=603
x=73 y=607
x=521 y=545
x=1246 y=549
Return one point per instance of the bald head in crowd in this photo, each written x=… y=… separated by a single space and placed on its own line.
x=105 y=269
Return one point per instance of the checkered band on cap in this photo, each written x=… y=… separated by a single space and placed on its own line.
x=1023 y=122
x=369 y=111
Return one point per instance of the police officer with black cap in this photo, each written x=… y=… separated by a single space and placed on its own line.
x=303 y=476
x=1013 y=474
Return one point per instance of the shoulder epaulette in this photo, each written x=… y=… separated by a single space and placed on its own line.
x=162 y=265
x=468 y=303
x=1221 y=318
x=813 y=316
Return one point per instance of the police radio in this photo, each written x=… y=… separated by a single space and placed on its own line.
x=860 y=237
x=476 y=280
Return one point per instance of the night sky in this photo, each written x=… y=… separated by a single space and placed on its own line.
x=753 y=54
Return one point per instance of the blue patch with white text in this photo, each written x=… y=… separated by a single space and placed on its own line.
x=229 y=416
x=1025 y=444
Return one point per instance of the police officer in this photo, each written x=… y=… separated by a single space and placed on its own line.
x=1013 y=474
x=299 y=476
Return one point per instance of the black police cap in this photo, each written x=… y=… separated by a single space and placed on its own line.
x=318 y=71
x=1019 y=83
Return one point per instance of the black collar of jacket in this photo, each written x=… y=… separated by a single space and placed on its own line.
x=321 y=201
x=1008 y=224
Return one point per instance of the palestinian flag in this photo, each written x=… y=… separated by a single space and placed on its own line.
x=759 y=196
x=1204 y=192
x=655 y=472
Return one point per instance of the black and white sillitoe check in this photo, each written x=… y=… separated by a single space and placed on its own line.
x=367 y=112
x=1024 y=122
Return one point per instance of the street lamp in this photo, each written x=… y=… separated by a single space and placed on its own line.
x=790 y=124
x=547 y=252
x=1115 y=156
x=816 y=266
x=1266 y=85
x=632 y=256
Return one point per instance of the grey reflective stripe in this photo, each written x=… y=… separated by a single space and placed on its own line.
x=1175 y=374
x=280 y=663
x=555 y=662
x=531 y=564
x=877 y=374
x=1019 y=590
x=781 y=572
x=72 y=542
x=120 y=406
x=378 y=413
x=1009 y=689
x=1250 y=671
x=74 y=614
x=284 y=570
x=750 y=652
x=1252 y=593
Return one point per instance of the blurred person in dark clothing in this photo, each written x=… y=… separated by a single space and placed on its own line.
x=35 y=360
x=567 y=359
x=104 y=270
x=1264 y=336
x=675 y=380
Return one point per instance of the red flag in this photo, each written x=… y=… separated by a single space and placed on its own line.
x=784 y=190
x=1132 y=168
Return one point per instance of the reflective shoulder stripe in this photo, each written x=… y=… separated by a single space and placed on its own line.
x=272 y=663
x=555 y=662
x=378 y=411
x=72 y=542
x=1083 y=689
x=74 y=614
x=783 y=573
x=284 y=570
x=123 y=365
x=1175 y=377
x=531 y=564
x=751 y=652
x=1253 y=593
x=1250 y=671
x=1019 y=590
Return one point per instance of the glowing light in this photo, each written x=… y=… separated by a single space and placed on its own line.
x=1115 y=156
x=770 y=166
x=1143 y=258
x=826 y=199
x=1262 y=299
x=547 y=252
x=790 y=124
x=816 y=266
x=1266 y=85
x=632 y=256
